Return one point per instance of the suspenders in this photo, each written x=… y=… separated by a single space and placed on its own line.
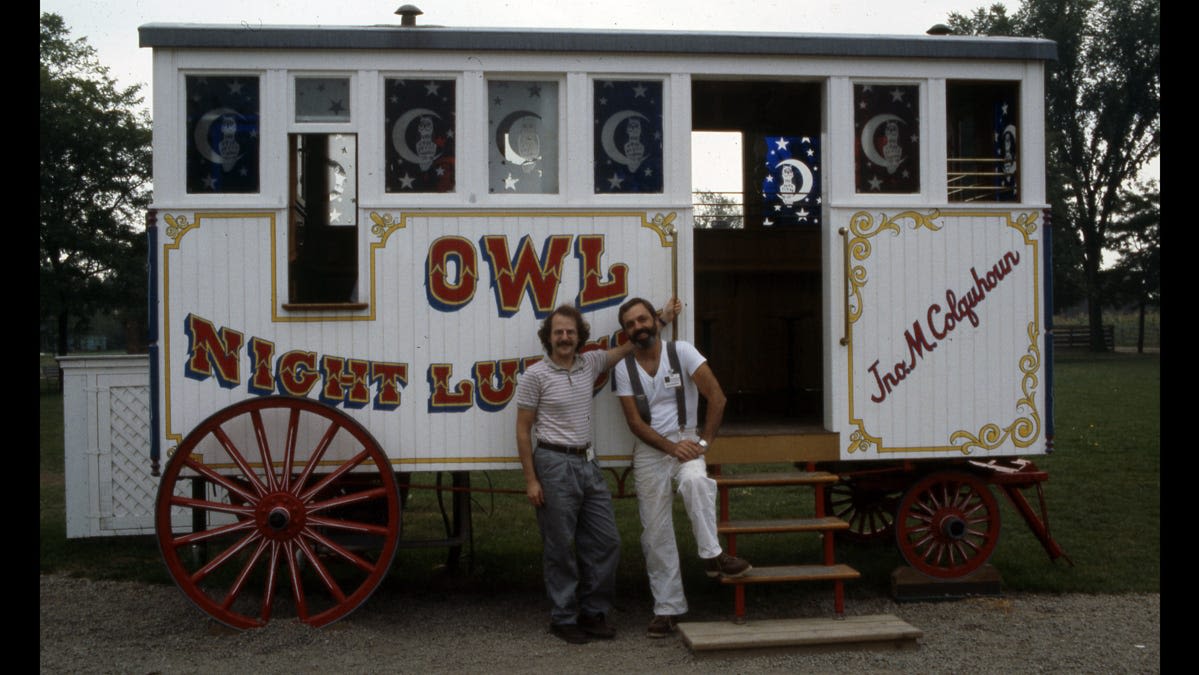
x=639 y=396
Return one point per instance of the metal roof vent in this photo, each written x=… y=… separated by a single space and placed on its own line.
x=939 y=29
x=408 y=14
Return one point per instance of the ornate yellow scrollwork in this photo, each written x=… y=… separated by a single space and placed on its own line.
x=862 y=228
x=663 y=224
x=1023 y=430
x=177 y=226
x=384 y=224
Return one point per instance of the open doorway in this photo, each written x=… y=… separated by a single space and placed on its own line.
x=757 y=245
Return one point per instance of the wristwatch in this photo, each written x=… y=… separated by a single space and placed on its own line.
x=703 y=444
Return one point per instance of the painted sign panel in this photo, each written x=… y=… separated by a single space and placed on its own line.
x=945 y=336
x=430 y=367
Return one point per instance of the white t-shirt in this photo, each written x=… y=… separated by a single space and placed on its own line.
x=662 y=406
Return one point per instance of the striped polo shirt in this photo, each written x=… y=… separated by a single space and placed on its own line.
x=562 y=397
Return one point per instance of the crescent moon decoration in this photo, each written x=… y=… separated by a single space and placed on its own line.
x=504 y=144
x=400 y=130
x=805 y=173
x=201 y=134
x=867 y=140
x=608 y=134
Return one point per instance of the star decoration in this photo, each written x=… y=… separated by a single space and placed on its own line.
x=406 y=181
x=615 y=181
x=510 y=183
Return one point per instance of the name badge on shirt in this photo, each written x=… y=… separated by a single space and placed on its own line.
x=674 y=380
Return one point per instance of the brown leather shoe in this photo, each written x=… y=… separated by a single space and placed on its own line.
x=596 y=626
x=660 y=626
x=569 y=632
x=726 y=565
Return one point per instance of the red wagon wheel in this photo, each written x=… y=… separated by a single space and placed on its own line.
x=295 y=510
x=948 y=524
x=869 y=510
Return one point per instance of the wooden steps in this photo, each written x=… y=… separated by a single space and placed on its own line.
x=790 y=573
x=851 y=632
x=827 y=570
x=826 y=524
x=777 y=479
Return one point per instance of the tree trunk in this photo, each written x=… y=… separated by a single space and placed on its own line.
x=1092 y=254
x=63 y=322
x=1141 y=328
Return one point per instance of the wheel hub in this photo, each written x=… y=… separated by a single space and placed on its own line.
x=280 y=516
x=953 y=527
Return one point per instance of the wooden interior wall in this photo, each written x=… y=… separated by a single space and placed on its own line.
x=757 y=313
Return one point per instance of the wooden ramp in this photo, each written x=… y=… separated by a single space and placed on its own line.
x=823 y=634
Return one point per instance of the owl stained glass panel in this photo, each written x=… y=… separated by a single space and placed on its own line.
x=886 y=138
x=222 y=134
x=419 y=127
x=628 y=136
x=522 y=125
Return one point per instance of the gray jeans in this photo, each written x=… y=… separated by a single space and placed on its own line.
x=578 y=510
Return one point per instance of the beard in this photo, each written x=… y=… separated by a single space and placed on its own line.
x=645 y=337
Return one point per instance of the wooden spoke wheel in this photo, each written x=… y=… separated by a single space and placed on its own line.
x=869 y=509
x=292 y=508
x=948 y=524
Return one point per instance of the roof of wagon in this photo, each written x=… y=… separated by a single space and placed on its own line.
x=210 y=36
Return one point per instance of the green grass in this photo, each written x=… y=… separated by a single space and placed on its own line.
x=1103 y=499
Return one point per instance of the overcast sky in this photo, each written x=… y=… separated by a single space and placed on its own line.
x=111 y=26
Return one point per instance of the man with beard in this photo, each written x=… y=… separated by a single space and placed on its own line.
x=563 y=480
x=668 y=448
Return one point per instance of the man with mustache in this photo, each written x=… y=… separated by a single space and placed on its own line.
x=668 y=448
x=563 y=480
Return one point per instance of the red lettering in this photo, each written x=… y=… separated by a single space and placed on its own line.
x=295 y=372
x=594 y=293
x=207 y=347
x=512 y=277
x=446 y=253
x=441 y=397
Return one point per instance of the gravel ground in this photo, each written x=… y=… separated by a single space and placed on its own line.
x=103 y=626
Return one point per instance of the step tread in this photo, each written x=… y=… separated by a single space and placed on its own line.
x=826 y=524
x=785 y=573
x=783 y=478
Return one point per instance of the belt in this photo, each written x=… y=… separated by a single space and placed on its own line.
x=570 y=450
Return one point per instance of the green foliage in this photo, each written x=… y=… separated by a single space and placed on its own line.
x=1103 y=98
x=94 y=185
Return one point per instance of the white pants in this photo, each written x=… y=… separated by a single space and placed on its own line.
x=654 y=471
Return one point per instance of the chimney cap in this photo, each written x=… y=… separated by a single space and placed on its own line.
x=939 y=29
x=408 y=14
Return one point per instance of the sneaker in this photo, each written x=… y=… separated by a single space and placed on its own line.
x=726 y=565
x=596 y=626
x=661 y=626
x=569 y=632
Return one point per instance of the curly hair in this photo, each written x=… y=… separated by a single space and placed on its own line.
x=583 y=328
x=631 y=303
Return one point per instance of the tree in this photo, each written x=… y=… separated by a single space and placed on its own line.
x=1136 y=277
x=1103 y=112
x=715 y=210
x=95 y=182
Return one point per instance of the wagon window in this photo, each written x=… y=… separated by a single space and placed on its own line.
x=222 y=134
x=886 y=138
x=522 y=121
x=628 y=136
x=983 y=143
x=419 y=135
x=323 y=219
x=322 y=99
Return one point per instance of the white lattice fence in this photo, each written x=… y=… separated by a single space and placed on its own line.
x=106 y=415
